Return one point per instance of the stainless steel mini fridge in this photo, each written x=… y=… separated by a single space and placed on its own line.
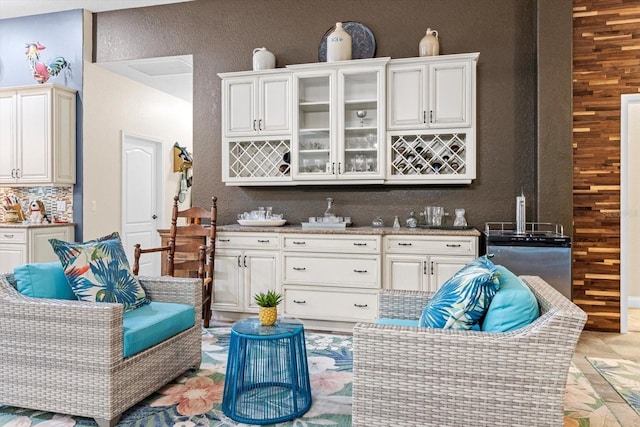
x=541 y=249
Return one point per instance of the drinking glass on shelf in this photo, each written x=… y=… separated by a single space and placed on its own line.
x=361 y=115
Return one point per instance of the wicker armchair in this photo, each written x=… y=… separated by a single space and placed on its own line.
x=413 y=376
x=66 y=356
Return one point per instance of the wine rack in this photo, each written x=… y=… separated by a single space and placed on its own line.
x=259 y=159
x=433 y=154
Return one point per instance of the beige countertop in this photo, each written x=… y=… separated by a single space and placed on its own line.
x=384 y=231
x=28 y=225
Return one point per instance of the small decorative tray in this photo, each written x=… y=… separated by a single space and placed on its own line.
x=262 y=222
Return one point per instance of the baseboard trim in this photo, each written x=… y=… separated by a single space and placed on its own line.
x=634 y=302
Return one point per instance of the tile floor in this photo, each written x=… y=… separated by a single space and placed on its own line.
x=613 y=346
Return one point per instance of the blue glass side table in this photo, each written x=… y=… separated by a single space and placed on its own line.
x=267 y=378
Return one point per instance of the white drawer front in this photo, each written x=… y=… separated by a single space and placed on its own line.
x=247 y=241
x=360 y=271
x=331 y=243
x=331 y=305
x=12 y=235
x=432 y=245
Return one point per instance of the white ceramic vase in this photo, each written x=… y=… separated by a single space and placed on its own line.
x=263 y=59
x=429 y=45
x=338 y=44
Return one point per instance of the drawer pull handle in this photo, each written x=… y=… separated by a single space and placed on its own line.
x=361 y=305
x=451 y=245
x=224 y=240
x=295 y=242
x=299 y=268
x=405 y=244
x=359 y=244
x=9 y=236
x=355 y=270
x=263 y=241
x=299 y=302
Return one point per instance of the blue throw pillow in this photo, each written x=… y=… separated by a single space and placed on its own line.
x=98 y=271
x=513 y=306
x=463 y=299
x=43 y=280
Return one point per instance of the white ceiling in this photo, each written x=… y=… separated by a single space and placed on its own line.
x=173 y=75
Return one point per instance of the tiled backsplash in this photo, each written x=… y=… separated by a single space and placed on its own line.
x=47 y=195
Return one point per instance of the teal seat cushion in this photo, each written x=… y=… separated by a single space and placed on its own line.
x=153 y=323
x=512 y=307
x=397 y=322
x=463 y=300
x=43 y=280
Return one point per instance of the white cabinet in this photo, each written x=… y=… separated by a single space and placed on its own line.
x=431 y=120
x=257 y=103
x=339 y=121
x=331 y=277
x=425 y=263
x=431 y=92
x=245 y=264
x=37 y=135
x=256 y=120
x=30 y=244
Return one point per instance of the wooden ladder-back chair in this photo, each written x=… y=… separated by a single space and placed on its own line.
x=190 y=250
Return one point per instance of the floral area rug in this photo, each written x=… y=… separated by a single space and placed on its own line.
x=624 y=377
x=195 y=399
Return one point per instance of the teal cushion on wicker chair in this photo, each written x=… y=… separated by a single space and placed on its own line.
x=463 y=299
x=153 y=323
x=43 y=280
x=512 y=307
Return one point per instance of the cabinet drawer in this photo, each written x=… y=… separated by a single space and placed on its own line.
x=331 y=243
x=349 y=271
x=247 y=240
x=12 y=235
x=432 y=245
x=331 y=304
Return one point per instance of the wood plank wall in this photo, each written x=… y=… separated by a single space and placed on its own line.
x=606 y=64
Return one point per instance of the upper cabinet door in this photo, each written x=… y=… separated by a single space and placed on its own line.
x=274 y=116
x=34 y=147
x=449 y=94
x=8 y=136
x=407 y=96
x=240 y=106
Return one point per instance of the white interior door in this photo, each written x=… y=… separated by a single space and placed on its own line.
x=141 y=198
x=629 y=206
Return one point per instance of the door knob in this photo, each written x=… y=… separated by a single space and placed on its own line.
x=154 y=216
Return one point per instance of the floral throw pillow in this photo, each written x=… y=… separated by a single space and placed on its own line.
x=463 y=300
x=98 y=271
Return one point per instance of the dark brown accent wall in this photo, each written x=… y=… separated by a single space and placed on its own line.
x=606 y=64
x=221 y=35
x=523 y=93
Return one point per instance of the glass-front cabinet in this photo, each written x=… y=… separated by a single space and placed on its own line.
x=339 y=124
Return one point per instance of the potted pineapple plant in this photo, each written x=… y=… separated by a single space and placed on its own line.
x=268 y=302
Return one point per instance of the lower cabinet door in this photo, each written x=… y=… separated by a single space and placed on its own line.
x=331 y=304
x=227 y=291
x=40 y=249
x=261 y=274
x=443 y=268
x=406 y=272
x=12 y=256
